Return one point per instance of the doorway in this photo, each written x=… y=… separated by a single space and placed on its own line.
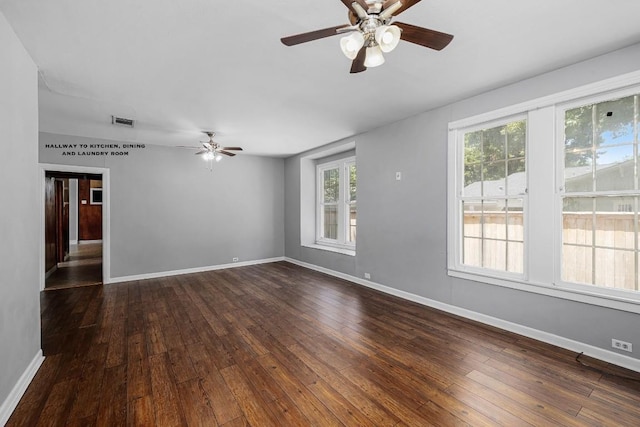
x=74 y=238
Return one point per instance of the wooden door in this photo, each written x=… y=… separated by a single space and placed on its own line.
x=62 y=219
x=89 y=214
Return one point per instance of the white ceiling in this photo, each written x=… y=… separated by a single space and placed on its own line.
x=179 y=67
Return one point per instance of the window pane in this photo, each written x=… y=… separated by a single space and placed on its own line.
x=330 y=222
x=577 y=264
x=614 y=121
x=578 y=178
x=494 y=254
x=515 y=220
x=331 y=185
x=516 y=139
x=578 y=131
x=473 y=147
x=615 y=268
x=515 y=257
x=473 y=180
x=472 y=221
x=494 y=144
x=494 y=179
x=352 y=182
x=472 y=252
x=577 y=221
x=614 y=220
x=516 y=177
x=494 y=219
x=615 y=168
x=351 y=234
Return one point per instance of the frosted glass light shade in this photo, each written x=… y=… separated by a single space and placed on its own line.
x=208 y=155
x=388 y=37
x=352 y=44
x=374 y=57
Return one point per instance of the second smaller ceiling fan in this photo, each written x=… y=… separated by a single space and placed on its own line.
x=211 y=150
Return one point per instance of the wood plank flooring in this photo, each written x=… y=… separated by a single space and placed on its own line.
x=280 y=345
x=83 y=268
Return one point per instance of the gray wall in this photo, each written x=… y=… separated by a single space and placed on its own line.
x=19 y=216
x=402 y=225
x=170 y=212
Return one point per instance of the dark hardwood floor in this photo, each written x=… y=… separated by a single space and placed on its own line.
x=280 y=345
x=83 y=268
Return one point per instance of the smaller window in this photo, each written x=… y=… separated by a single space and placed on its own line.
x=336 y=201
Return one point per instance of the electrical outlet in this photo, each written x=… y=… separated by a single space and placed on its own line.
x=622 y=345
x=236 y=259
x=367 y=276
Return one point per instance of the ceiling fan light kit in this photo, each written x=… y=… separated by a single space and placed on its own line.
x=371 y=32
x=211 y=150
x=374 y=57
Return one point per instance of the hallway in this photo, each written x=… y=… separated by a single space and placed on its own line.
x=83 y=268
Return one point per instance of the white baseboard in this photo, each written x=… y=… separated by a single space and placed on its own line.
x=558 y=341
x=73 y=242
x=81 y=242
x=51 y=271
x=12 y=400
x=191 y=270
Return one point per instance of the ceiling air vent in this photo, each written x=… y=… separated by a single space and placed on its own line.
x=122 y=121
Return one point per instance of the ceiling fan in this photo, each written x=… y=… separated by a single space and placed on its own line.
x=211 y=150
x=371 y=34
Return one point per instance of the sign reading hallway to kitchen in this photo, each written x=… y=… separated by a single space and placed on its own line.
x=101 y=150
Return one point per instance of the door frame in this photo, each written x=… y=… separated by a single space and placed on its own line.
x=106 y=212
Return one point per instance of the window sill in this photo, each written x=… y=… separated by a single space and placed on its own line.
x=583 y=296
x=343 y=251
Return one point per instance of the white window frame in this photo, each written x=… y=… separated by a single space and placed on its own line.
x=342 y=203
x=458 y=136
x=543 y=210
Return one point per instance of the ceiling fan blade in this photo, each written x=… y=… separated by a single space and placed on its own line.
x=226 y=153
x=232 y=148
x=406 y=4
x=202 y=152
x=357 y=66
x=349 y=4
x=312 y=35
x=428 y=38
x=188 y=147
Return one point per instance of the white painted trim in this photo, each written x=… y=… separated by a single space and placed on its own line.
x=73 y=242
x=611 y=84
x=558 y=341
x=106 y=213
x=191 y=270
x=51 y=271
x=84 y=242
x=343 y=251
x=12 y=400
